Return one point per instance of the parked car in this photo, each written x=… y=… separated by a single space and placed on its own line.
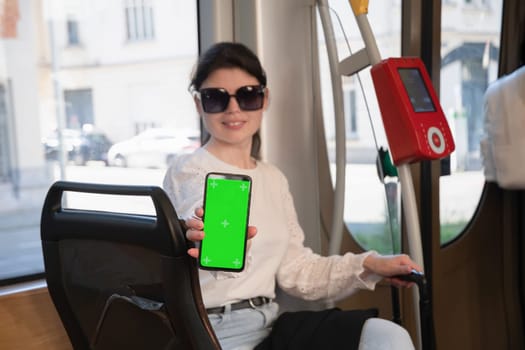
x=81 y=146
x=153 y=148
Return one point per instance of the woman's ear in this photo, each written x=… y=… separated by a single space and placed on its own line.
x=198 y=105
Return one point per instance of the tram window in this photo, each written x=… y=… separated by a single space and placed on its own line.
x=470 y=51
x=370 y=218
x=82 y=69
x=350 y=104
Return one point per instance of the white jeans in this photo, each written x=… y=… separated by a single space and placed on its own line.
x=244 y=329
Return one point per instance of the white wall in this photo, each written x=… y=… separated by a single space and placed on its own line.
x=19 y=73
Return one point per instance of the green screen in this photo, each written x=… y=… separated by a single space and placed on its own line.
x=225 y=223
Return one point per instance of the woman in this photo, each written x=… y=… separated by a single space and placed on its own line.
x=230 y=94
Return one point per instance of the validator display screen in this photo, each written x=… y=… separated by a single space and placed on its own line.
x=416 y=90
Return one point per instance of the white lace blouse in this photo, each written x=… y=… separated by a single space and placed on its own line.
x=277 y=252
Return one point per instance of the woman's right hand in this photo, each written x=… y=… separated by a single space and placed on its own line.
x=195 y=232
x=389 y=266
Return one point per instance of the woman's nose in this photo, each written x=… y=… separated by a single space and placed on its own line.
x=233 y=105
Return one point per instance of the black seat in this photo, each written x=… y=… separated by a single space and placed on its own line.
x=122 y=281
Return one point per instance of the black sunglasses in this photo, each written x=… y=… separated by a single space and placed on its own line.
x=216 y=100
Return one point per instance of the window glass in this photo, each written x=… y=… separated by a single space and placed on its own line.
x=83 y=98
x=469 y=51
x=371 y=220
x=72 y=32
x=140 y=22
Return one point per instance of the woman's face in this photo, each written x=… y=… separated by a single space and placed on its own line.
x=234 y=126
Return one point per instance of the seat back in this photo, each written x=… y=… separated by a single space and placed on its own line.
x=122 y=281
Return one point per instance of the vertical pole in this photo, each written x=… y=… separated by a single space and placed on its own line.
x=59 y=103
x=408 y=196
x=336 y=234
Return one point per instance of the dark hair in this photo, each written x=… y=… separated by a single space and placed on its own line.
x=229 y=55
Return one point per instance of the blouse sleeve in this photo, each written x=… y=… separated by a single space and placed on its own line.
x=310 y=276
x=184 y=187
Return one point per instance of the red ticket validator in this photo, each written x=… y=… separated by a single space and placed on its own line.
x=415 y=125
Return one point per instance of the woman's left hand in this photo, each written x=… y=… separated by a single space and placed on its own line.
x=389 y=266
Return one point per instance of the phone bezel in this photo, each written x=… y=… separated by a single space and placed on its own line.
x=227 y=176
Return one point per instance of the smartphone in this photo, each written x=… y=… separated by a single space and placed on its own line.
x=226 y=213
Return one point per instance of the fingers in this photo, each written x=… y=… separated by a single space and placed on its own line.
x=405 y=266
x=402 y=265
x=405 y=260
x=193 y=252
x=195 y=235
x=199 y=212
x=195 y=231
x=403 y=269
x=195 y=221
x=252 y=231
x=399 y=283
x=195 y=226
x=390 y=265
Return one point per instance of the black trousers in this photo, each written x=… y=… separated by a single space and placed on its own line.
x=327 y=329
